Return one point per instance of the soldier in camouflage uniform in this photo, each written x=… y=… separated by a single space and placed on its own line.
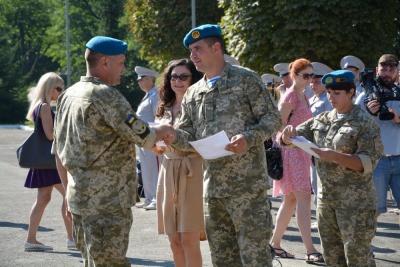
x=234 y=99
x=95 y=133
x=350 y=147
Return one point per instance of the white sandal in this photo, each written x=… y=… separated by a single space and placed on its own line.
x=36 y=247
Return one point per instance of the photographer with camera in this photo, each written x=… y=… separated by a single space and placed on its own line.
x=381 y=99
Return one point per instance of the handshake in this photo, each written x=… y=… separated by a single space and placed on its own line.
x=165 y=133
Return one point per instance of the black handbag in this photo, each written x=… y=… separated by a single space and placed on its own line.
x=274 y=160
x=35 y=151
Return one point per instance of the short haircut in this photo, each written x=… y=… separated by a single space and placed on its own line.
x=343 y=86
x=215 y=39
x=92 y=57
x=388 y=58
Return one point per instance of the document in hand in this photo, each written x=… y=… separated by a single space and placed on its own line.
x=212 y=147
x=304 y=144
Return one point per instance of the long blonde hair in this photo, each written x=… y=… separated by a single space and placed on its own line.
x=42 y=91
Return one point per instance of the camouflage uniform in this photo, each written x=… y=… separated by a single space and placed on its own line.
x=347 y=198
x=97 y=148
x=237 y=211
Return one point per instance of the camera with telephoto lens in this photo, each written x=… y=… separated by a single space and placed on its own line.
x=376 y=89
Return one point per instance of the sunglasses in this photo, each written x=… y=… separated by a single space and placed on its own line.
x=182 y=77
x=306 y=76
x=387 y=64
x=59 y=89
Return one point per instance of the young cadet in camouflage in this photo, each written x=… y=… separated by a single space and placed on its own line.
x=350 y=147
x=95 y=133
x=234 y=99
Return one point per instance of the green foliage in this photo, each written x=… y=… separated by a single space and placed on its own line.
x=32 y=41
x=258 y=33
x=23 y=46
x=263 y=33
x=159 y=26
x=247 y=27
x=89 y=18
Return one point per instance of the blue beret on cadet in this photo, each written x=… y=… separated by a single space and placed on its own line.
x=338 y=77
x=201 y=32
x=107 y=46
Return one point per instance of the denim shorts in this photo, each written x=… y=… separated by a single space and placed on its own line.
x=387 y=173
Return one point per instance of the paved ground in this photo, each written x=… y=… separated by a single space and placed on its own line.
x=146 y=247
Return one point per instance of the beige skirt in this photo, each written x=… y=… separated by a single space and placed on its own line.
x=180 y=194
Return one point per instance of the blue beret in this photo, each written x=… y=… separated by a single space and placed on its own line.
x=107 y=46
x=338 y=77
x=201 y=32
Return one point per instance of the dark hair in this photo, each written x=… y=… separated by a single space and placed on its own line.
x=388 y=58
x=215 y=39
x=166 y=95
x=344 y=86
x=92 y=57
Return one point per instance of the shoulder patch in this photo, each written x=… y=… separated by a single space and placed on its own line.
x=138 y=126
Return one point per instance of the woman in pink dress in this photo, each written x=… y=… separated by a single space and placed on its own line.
x=295 y=184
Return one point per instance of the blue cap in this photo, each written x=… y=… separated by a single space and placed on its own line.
x=338 y=77
x=201 y=32
x=107 y=46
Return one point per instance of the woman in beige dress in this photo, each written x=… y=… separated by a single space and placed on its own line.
x=180 y=181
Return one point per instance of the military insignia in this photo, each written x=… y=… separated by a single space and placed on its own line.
x=329 y=80
x=195 y=34
x=130 y=119
x=139 y=127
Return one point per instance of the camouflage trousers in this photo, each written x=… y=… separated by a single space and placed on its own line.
x=346 y=233
x=103 y=239
x=239 y=229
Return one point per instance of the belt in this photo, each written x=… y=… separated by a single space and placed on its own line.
x=389 y=155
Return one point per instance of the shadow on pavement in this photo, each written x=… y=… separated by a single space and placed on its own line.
x=23 y=226
x=75 y=254
x=146 y=262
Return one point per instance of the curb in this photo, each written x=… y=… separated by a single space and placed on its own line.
x=16 y=126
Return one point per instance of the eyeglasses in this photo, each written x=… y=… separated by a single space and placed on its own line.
x=182 y=77
x=306 y=76
x=387 y=64
x=59 y=89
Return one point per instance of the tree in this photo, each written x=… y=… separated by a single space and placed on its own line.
x=89 y=18
x=23 y=46
x=33 y=42
x=263 y=33
x=159 y=26
x=247 y=27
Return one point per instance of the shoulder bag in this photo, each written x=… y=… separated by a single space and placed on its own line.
x=35 y=151
x=274 y=160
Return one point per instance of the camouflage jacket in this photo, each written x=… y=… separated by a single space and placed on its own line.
x=97 y=147
x=355 y=133
x=238 y=103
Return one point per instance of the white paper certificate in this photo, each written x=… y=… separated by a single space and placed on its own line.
x=304 y=144
x=212 y=147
